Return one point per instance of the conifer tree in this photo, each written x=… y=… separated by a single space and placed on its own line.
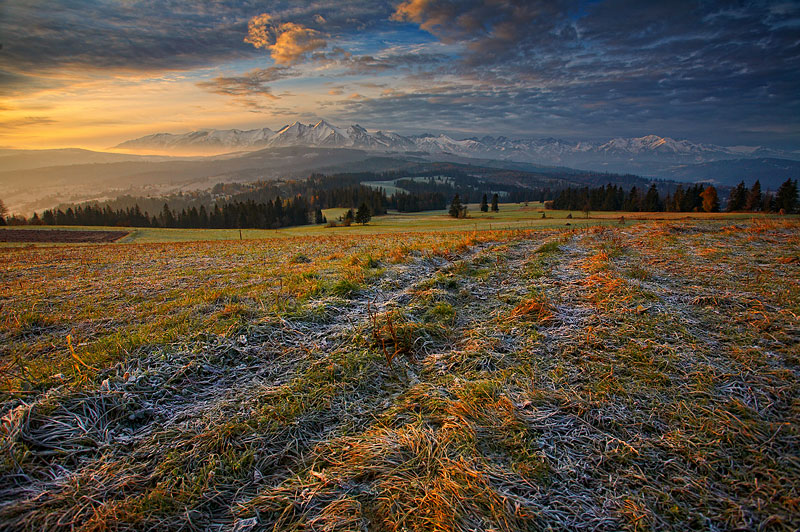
x=455 y=206
x=495 y=205
x=484 y=204
x=738 y=198
x=754 y=197
x=652 y=202
x=786 y=197
x=363 y=216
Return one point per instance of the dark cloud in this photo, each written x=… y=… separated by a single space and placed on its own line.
x=626 y=64
x=710 y=70
x=597 y=111
x=253 y=83
x=146 y=35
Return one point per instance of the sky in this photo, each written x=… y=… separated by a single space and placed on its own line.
x=93 y=73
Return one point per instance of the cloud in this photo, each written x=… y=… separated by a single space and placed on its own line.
x=493 y=23
x=14 y=123
x=685 y=67
x=288 y=43
x=253 y=83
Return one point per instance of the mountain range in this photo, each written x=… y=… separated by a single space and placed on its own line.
x=649 y=155
x=36 y=179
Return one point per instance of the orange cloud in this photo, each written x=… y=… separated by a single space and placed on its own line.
x=427 y=13
x=287 y=43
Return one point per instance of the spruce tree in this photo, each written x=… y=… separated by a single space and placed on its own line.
x=652 y=201
x=363 y=216
x=754 y=197
x=738 y=198
x=495 y=205
x=484 y=204
x=786 y=197
x=455 y=206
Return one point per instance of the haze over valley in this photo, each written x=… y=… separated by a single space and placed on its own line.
x=165 y=163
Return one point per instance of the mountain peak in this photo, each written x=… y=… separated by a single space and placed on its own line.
x=628 y=154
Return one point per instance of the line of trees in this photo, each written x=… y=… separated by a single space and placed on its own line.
x=693 y=198
x=752 y=199
x=238 y=214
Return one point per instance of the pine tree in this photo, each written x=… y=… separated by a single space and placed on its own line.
x=484 y=204
x=738 y=198
x=348 y=217
x=677 y=200
x=786 y=197
x=633 y=200
x=3 y=213
x=363 y=216
x=495 y=205
x=455 y=206
x=754 y=197
x=167 y=218
x=652 y=201
x=710 y=199
x=768 y=203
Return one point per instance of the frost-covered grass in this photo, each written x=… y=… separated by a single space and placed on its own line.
x=637 y=377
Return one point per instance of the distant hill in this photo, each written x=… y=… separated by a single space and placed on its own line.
x=26 y=190
x=26 y=159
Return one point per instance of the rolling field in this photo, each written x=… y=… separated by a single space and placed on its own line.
x=512 y=216
x=621 y=377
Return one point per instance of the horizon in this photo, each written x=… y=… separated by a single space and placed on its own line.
x=94 y=75
x=421 y=133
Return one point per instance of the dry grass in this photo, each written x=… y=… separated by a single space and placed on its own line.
x=634 y=378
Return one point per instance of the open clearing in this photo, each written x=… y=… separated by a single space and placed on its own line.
x=624 y=377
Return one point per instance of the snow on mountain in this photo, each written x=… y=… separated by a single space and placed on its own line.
x=213 y=139
x=445 y=144
x=638 y=154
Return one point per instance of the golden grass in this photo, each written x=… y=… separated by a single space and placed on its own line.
x=614 y=378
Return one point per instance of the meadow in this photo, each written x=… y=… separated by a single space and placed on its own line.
x=503 y=372
x=512 y=216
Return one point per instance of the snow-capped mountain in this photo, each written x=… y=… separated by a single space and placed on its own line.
x=209 y=139
x=640 y=154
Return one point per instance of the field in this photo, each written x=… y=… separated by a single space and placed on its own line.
x=511 y=216
x=54 y=235
x=636 y=376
